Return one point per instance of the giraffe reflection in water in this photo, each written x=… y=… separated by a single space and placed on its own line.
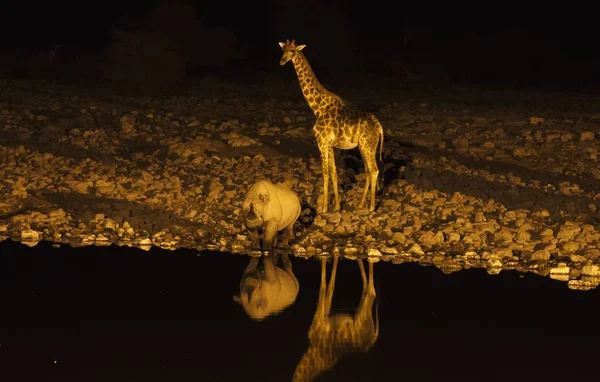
x=333 y=336
x=267 y=289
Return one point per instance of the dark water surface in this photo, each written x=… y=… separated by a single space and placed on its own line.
x=123 y=314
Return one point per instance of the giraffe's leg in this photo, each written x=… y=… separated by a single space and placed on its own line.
x=371 y=282
x=331 y=286
x=373 y=183
x=368 y=153
x=334 y=179
x=367 y=181
x=320 y=315
x=325 y=169
x=362 y=273
x=364 y=194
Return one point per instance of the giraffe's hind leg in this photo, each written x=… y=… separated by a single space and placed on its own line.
x=325 y=170
x=334 y=180
x=367 y=150
x=364 y=194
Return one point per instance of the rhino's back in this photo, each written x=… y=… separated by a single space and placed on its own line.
x=290 y=205
x=284 y=295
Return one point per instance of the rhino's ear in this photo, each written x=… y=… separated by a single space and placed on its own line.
x=236 y=298
x=264 y=198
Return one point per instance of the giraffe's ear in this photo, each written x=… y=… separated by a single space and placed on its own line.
x=281 y=44
x=300 y=47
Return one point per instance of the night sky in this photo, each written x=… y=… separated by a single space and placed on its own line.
x=486 y=41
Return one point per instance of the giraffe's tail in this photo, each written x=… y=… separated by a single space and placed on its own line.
x=380 y=131
x=376 y=332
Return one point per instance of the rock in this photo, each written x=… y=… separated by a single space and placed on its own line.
x=453 y=237
x=415 y=249
x=430 y=239
x=30 y=235
x=561 y=272
x=399 y=237
x=57 y=214
x=578 y=258
x=568 y=231
x=523 y=152
x=541 y=254
x=88 y=239
x=503 y=236
x=145 y=242
x=104 y=187
x=570 y=246
x=320 y=221
x=110 y=224
x=373 y=255
x=503 y=253
x=536 y=121
x=590 y=269
x=461 y=143
x=587 y=136
x=191 y=214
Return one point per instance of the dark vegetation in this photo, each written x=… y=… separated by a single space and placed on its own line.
x=172 y=43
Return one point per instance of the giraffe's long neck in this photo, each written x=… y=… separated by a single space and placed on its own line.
x=315 y=94
x=317 y=359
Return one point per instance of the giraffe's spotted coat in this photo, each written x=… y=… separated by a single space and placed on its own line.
x=337 y=126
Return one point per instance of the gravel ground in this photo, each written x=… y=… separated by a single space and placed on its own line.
x=469 y=178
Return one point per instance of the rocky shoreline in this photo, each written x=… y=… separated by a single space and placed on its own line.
x=474 y=180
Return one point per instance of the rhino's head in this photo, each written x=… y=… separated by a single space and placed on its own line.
x=254 y=211
x=254 y=297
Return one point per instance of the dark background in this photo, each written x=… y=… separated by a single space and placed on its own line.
x=499 y=44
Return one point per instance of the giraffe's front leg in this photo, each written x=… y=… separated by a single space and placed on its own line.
x=334 y=179
x=365 y=193
x=325 y=170
x=373 y=184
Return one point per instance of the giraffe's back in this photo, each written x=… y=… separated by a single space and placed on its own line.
x=345 y=127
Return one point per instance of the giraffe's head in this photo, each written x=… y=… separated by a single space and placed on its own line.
x=290 y=50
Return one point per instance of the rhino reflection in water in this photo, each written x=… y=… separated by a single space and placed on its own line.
x=333 y=336
x=267 y=289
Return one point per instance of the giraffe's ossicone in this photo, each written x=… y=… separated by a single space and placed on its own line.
x=337 y=126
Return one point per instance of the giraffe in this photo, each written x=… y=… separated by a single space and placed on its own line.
x=333 y=336
x=338 y=126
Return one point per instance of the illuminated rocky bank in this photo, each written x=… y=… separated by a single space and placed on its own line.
x=489 y=186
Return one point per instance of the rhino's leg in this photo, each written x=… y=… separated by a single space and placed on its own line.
x=270 y=232
x=275 y=256
x=287 y=264
x=270 y=269
x=255 y=239
x=251 y=268
x=288 y=233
